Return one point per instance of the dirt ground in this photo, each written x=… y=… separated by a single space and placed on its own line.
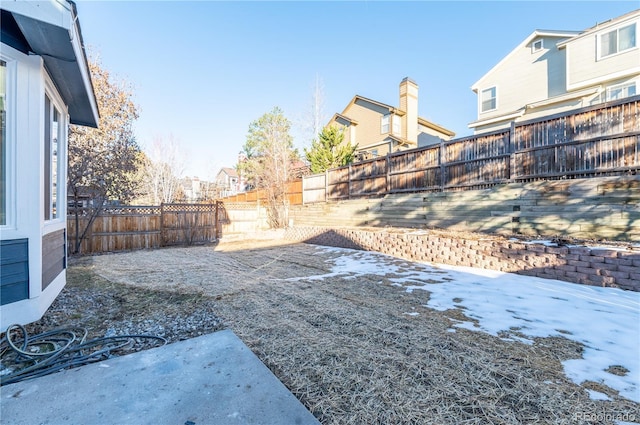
x=344 y=346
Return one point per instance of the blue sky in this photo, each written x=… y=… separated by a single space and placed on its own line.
x=202 y=71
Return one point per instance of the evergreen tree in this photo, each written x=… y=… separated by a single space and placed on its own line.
x=329 y=151
x=268 y=166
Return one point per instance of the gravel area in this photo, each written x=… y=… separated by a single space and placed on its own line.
x=345 y=347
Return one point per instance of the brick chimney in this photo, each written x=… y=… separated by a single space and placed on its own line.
x=409 y=104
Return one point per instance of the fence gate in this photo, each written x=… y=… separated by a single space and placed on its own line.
x=188 y=224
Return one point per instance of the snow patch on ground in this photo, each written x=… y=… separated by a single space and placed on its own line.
x=605 y=320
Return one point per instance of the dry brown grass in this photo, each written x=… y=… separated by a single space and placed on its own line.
x=346 y=347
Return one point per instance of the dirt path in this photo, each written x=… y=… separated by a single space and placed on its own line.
x=352 y=350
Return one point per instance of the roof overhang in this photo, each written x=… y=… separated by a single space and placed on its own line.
x=343 y=120
x=505 y=117
x=364 y=100
x=563 y=98
x=560 y=35
x=435 y=127
x=52 y=31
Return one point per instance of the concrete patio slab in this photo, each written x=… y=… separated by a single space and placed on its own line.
x=212 y=379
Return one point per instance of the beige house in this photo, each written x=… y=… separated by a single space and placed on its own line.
x=377 y=128
x=228 y=182
x=557 y=71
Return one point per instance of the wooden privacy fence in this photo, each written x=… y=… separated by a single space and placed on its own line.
x=138 y=227
x=594 y=141
x=293 y=193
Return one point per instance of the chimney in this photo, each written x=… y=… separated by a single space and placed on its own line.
x=409 y=104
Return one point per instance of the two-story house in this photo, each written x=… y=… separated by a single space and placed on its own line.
x=557 y=71
x=377 y=128
x=228 y=182
x=44 y=86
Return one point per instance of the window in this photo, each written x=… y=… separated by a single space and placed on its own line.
x=488 y=99
x=617 y=41
x=620 y=91
x=3 y=143
x=397 y=124
x=53 y=136
x=616 y=92
x=384 y=123
x=536 y=46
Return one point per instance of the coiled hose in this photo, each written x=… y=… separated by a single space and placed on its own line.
x=49 y=352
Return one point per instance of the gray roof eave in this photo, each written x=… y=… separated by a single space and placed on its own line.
x=63 y=55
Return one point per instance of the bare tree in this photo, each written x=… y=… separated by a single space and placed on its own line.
x=163 y=166
x=103 y=160
x=317 y=113
x=313 y=118
x=270 y=157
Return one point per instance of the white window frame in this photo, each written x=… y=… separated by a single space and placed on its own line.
x=63 y=133
x=396 y=125
x=617 y=31
x=385 y=124
x=495 y=99
x=10 y=134
x=608 y=90
x=534 y=46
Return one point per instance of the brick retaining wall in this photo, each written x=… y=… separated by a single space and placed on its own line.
x=577 y=264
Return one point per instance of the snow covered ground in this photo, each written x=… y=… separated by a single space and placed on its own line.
x=605 y=320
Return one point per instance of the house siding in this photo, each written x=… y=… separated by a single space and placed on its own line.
x=54 y=259
x=14 y=270
x=525 y=78
x=368 y=129
x=584 y=67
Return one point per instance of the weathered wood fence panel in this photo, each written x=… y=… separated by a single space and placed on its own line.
x=138 y=227
x=314 y=188
x=241 y=217
x=293 y=193
x=594 y=141
x=188 y=224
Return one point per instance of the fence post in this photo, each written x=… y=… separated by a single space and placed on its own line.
x=511 y=169
x=387 y=164
x=162 y=227
x=349 y=183
x=441 y=159
x=215 y=219
x=326 y=186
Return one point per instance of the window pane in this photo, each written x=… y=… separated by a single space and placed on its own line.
x=3 y=143
x=384 y=124
x=627 y=37
x=614 y=93
x=397 y=124
x=489 y=99
x=608 y=43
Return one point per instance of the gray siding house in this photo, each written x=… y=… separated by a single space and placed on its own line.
x=44 y=86
x=553 y=72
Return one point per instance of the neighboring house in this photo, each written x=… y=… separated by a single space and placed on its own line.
x=377 y=128
x=44 y=85
x=191 y=188
x=557 y=71
x=228 y=182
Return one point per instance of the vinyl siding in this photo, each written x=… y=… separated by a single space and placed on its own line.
x=368 y=128
x=14 y=270
x=585 y=69
x=53 y=256
x=526 y=78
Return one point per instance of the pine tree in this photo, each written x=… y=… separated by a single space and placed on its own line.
x=329 y=151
